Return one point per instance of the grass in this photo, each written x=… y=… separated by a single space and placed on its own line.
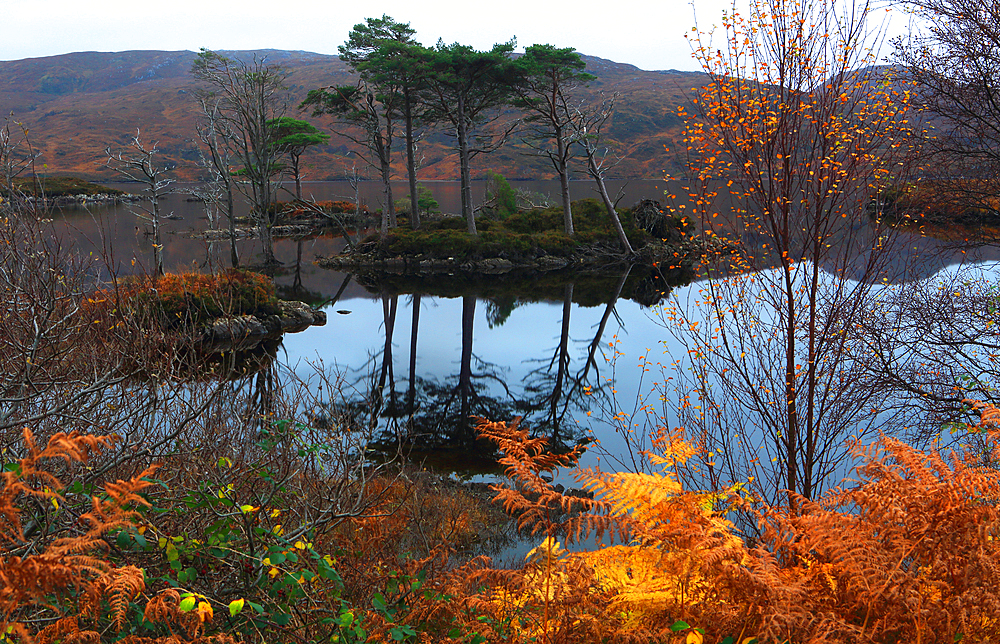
x=61 y=187
x=526 y=234
x=185 y=300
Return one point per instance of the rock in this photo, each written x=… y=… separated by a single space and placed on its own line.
x=549 y=263
x=235 y=331
x=298 y=316
x=493 y=265
x=244 y=331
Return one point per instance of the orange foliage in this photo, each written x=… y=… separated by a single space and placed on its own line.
x=65 y=574
x=908 y=552
x=184 y=298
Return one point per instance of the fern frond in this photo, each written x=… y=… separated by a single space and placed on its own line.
x=67 y=566
x=66 y=631
x=121 y=587
x=164 y=608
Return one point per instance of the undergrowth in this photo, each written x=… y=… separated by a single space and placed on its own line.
x=212 y=552
x=525 y=234
x=188 y=299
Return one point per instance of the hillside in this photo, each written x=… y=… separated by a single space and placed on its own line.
x=76 y=105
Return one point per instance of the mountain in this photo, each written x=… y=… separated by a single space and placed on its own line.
x=76 y=105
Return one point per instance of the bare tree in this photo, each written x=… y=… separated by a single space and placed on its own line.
x=17 y=156
x=804 y=129
x=217 y=159
x=247 y=96
x=138 y=163
x=954 y=64
x=587 y=125
x=933 y=344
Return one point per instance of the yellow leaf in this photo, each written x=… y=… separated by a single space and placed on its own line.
x=694 y=637
x=205 y=611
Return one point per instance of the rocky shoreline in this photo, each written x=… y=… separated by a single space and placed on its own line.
x=241 y=332
x=590 y=258
x=83 y=200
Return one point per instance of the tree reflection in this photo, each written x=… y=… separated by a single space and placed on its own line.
x=434 y=417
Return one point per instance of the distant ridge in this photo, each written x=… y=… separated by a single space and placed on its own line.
x=75 y=105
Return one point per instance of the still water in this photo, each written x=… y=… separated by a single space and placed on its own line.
x=579 y=357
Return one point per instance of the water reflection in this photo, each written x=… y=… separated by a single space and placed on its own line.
x=423 y=357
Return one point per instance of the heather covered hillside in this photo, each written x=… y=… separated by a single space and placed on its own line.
x=76 y=105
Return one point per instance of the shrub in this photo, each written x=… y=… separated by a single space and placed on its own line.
x=500 y=200
x=425 y=201
x=185 y=299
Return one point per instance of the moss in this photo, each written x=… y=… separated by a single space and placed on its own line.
x=189 y=299
x=524 y=235
x=61 y=187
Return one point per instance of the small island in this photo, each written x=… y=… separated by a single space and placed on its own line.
x=65 y=191
x=526 y=240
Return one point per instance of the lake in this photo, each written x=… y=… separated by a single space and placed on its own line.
x=579 y=357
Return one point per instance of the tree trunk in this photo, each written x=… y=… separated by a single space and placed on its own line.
x=563 y=358
x=792 y=427
x=411 y=164
x=266 y=239
x=298 y=177
x=463 y=160
x=234 y=256
x=389 y=210
x=609 y=205
x=564 y=183
x=157 y=246
x=592 y=352
x=411 y=395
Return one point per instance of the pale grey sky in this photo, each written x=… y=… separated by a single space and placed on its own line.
x=643 y=33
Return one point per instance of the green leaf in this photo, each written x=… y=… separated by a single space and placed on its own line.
x=959 y=637
x=728 y=640
x=236 y=607
x=679 y=625
x=187 y=604
x=172 y=554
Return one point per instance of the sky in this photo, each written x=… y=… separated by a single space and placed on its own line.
x=647 y=34
x=644 y=33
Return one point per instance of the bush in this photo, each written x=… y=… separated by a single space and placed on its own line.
x=525 y=234
x=500 y=199
x=188 y=299
x=425 y=201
